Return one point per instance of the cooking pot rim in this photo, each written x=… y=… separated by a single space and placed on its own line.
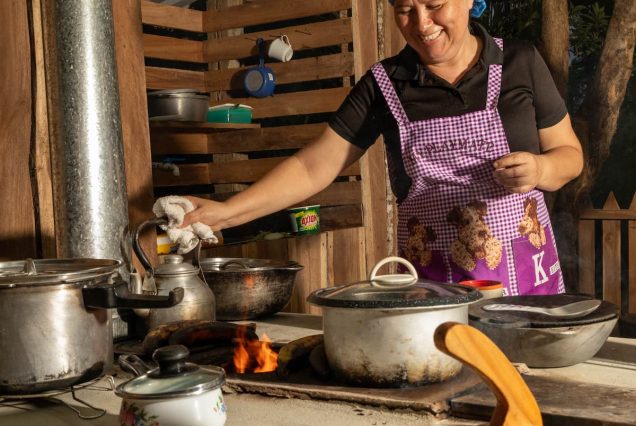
x=214 y=264
x=431 y=303
x=48 y=272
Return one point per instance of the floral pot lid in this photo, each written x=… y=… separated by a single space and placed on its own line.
x=394 y=291
x=174 y=378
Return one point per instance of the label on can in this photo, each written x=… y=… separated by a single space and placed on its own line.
x=305 y=220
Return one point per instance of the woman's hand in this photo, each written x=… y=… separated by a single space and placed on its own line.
x=518 y=172
x=210 y=212
x=560 y=161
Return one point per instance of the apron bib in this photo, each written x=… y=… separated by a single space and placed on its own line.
x=457 y=222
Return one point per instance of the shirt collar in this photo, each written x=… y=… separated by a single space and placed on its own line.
x=409 y=67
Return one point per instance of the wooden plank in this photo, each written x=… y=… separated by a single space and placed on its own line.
x=174 y=49
x=134 y=119
x=301 y=37
x=587 y=268
x=189 y=174
x=612 y=255
x=265 y=11
x=189 y=126
x=349 y=268
x=631 y=261
x=42 y=146
x=167 y=143
x=170 y=78
x=309 y=69
x=244 y=171
x=17 y=228
x=308 y=102
x=273 y=249
x=265 y=139
x=163 y=15
x=311 y=252
x=338 y=193
x=625 y=214
x=376 y=195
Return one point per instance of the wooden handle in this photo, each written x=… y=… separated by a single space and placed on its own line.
x=516 y=405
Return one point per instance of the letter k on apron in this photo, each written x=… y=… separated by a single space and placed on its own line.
x=457 y=222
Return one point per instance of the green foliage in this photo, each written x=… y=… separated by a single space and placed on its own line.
x=519 y=20
x=588 y=25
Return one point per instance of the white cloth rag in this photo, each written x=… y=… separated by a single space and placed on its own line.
x=174 y=209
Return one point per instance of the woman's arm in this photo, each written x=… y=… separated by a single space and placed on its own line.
x=560 y=161
x=297 y=178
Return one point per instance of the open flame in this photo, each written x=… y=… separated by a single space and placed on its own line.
x=255 y=355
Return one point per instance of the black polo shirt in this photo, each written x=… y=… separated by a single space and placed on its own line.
x=528 y=100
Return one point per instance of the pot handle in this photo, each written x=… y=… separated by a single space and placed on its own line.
x=107 y=296
x=137 y=247
x=393 y=280
x=133 y=364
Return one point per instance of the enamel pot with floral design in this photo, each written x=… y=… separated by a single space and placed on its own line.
x=175 y=394
x=379 y=332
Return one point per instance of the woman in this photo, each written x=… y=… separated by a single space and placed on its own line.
x=474 y=131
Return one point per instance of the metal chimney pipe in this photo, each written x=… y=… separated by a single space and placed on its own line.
x=89 y=183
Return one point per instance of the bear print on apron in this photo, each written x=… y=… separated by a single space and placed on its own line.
x=457 y=222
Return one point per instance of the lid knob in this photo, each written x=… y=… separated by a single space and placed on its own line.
x=393 y=280
x=171 y=359
x=173 y=259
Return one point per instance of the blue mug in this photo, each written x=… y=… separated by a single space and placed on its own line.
x=260 y=81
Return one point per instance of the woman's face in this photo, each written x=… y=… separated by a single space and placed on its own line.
x=436 y=29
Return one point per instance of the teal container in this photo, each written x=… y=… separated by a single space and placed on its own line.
x=230 y=113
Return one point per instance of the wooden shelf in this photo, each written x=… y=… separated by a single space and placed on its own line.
x=202 y=127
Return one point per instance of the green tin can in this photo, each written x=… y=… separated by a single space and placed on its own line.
x=305 y=220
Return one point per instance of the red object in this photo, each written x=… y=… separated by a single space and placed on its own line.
x=482 y=284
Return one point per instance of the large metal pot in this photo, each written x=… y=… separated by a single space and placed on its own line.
x=249 y=288
x=55 y=330
x=380 y=332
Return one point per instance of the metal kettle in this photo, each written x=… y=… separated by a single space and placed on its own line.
x=198 y=300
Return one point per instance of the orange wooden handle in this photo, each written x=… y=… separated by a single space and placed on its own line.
x=516 y=405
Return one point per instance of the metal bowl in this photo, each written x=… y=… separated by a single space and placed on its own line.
x=544 y=342
x=249 y=288
x=178 y=105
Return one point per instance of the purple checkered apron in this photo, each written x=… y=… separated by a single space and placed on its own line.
x=457 y=222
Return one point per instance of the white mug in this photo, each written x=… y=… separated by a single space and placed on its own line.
x=280 y=48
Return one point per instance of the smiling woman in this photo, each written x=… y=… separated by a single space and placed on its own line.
x=474 y=130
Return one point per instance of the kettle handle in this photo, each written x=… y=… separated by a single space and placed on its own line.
x=137 y=247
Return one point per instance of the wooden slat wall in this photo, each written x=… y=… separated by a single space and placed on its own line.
x=611 y=216
x=339 y=255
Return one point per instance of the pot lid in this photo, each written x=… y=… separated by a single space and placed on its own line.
x=522 y=319
x=394 y=291
x=174 y=378
x=174 y=266
x=53 y=271
x=238 y=264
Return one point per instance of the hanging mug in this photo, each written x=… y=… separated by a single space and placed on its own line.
x=259 y=81
x=280 y=48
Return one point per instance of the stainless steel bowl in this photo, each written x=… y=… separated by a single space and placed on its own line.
x=178 y=105
x=249 y=288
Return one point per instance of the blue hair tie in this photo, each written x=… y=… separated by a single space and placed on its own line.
x=478 y=8
x=475 y=12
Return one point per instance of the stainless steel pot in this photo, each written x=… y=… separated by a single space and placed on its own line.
x=380 y=332
x=55 y=330
x=178 y=105
x=249 y=288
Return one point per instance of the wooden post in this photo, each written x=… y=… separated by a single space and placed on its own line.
x=631 y=260
x=611 y=254
x=134 y=118
x=18 y=225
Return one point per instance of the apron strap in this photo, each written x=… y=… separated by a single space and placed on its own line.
x=389 y=93
x=494 y=80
